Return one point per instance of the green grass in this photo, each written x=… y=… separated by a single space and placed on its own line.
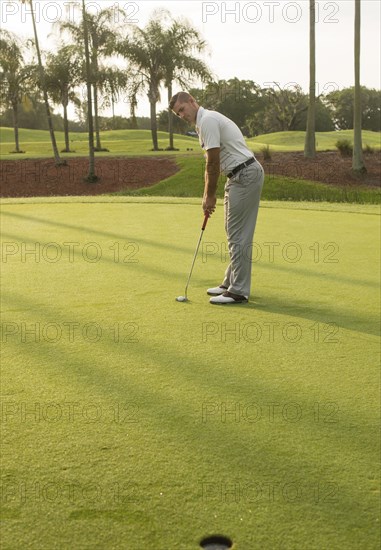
x=36 y=143
x=152 y=423
x=188 y=182
x=294 y=141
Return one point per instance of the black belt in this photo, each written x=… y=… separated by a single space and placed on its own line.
x=239 y=167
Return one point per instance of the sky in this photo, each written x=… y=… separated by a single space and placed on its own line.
x=265 y=41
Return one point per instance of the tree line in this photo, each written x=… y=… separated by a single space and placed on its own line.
x=256 y=110
x=165 y=52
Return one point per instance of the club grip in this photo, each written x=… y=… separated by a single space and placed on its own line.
x=205 y=221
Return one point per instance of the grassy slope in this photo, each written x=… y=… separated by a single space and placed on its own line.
x=188 y=182
x=294 y=141
x=120 y=142
x=159 y=474
x=138 y=142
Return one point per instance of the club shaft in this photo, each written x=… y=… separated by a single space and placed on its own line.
x=194 y=259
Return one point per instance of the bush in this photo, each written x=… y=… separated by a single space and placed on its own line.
x=345 y=147
x=266 y=152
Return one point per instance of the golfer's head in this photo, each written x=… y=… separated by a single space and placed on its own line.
x=184 y=106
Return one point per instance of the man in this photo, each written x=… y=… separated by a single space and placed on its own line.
x=227 y=152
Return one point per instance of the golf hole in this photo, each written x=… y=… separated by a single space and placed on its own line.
x=216 y=542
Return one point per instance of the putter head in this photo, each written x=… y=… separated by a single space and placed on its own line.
x=181 y=299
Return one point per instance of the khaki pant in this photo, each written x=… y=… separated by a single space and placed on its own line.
x=241 y=202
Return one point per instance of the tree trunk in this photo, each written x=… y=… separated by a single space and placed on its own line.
x=357 y=159
x=66 y=128
x=310 y=144
x=16 y=126
x=91 y=177
x=170 y=118
x=95 y=71
x=154 y=126
x=153 y=97
x=96 y=119
x=44 y=91
x=134 y=122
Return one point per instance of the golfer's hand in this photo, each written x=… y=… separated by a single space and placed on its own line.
x=209 y=204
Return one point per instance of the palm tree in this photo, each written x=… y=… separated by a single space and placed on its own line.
x=135 y=86
x=62 y=75
x=13 y=78
x=91 y=176
x=144 y=50
x=101 y=32
x=162 y=53
x=180 y=41
x=310 y=145
x=358 y=165
x=111 y=82
x=43 y=87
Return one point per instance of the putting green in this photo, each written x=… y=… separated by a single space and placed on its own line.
x=133 y=421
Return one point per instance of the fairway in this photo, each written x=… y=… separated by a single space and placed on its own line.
x=132 y=421
x=294 y=141
x=36 y=143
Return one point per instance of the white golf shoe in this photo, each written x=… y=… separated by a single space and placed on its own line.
x=229 y=298
x=216 y=291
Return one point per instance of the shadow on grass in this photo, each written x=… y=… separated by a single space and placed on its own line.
x=216 y=454
x=342 y=318
x=173 y=247
x=280 y=306
x=92 y=372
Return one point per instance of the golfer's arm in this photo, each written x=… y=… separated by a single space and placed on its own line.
x=212 y=171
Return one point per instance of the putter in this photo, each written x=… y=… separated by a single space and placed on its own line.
x=185 y=297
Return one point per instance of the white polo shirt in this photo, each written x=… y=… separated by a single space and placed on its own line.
x=217 y=130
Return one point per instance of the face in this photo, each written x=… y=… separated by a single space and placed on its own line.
x=186 y=110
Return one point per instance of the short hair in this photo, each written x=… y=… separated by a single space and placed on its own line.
x=184 y=97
